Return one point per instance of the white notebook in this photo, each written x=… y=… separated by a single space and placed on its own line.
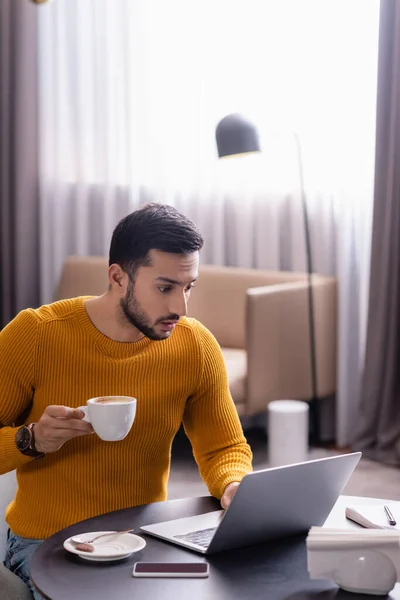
x=374 y=516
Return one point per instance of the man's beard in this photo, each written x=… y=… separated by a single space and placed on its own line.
x=136 y=316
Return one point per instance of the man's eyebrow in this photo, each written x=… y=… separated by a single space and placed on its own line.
x=172 y=281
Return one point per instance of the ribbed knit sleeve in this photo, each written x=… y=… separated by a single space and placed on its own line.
x=212 y=423
x=17 y=361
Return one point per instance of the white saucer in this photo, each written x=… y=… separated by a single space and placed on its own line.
x=109 y=548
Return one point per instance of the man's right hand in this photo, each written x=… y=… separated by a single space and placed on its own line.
x=57 y=425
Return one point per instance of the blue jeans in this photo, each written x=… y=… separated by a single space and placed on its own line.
x=18 y=553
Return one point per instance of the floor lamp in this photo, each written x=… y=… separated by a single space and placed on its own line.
x=236 y=135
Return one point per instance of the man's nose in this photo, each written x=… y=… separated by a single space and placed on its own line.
x=178 y=305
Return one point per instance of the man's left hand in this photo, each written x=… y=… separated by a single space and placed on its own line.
x=229 y=492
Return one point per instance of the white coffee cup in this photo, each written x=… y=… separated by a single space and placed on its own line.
x=110 y=416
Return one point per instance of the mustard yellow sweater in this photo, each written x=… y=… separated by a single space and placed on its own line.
x=55 y=355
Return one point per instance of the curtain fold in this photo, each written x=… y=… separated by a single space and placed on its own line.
x=378 y=433
x=19 y=242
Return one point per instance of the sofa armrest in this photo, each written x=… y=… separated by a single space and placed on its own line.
x=278 y=342
x=12 y=587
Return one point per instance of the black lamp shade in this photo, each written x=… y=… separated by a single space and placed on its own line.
x=236 y=135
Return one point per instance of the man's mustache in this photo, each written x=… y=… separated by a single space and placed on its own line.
x=168 y=318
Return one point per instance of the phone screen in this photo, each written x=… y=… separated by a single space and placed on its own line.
x=169 y=568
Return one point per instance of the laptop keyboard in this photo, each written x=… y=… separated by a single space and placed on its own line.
x=202 y=537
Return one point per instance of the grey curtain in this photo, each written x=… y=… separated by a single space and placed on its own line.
x=19 y=250
x=378 y=435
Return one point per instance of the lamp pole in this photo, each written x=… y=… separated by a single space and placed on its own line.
x=310 y=294
x=237 y=135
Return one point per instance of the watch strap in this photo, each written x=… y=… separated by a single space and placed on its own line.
x=32 y=444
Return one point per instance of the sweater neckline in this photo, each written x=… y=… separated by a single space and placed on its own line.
x=107 y=345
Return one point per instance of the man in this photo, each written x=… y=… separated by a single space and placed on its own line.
x=134 y=340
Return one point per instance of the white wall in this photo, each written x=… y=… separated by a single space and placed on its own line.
x=7 y=491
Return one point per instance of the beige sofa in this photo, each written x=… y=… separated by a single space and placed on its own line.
x=260 y=319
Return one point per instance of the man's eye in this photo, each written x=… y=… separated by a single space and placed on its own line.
x=190 y=287
x=164 y=290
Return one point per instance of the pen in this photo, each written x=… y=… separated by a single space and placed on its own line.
x=389 y=516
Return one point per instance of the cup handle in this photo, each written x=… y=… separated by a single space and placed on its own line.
x=84 y=409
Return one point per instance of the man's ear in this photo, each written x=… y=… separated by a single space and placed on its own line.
x=118 y=278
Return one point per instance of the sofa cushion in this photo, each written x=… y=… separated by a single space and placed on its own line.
x=236 y=365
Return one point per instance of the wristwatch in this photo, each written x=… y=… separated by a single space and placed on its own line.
x=25 y=441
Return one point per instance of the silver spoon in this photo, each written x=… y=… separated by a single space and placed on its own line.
x=78 y=540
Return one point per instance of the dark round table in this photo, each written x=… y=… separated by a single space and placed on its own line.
x=268 y=571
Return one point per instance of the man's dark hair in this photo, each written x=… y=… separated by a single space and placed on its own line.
x=152 y=227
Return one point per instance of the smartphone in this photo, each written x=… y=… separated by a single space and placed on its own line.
x=161 y=569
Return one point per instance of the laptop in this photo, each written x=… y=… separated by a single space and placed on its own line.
x=269 y=504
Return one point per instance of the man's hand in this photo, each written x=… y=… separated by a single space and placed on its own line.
x=57 y=425
x=229 y=492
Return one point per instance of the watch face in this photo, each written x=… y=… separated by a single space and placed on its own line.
x=23 y=438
